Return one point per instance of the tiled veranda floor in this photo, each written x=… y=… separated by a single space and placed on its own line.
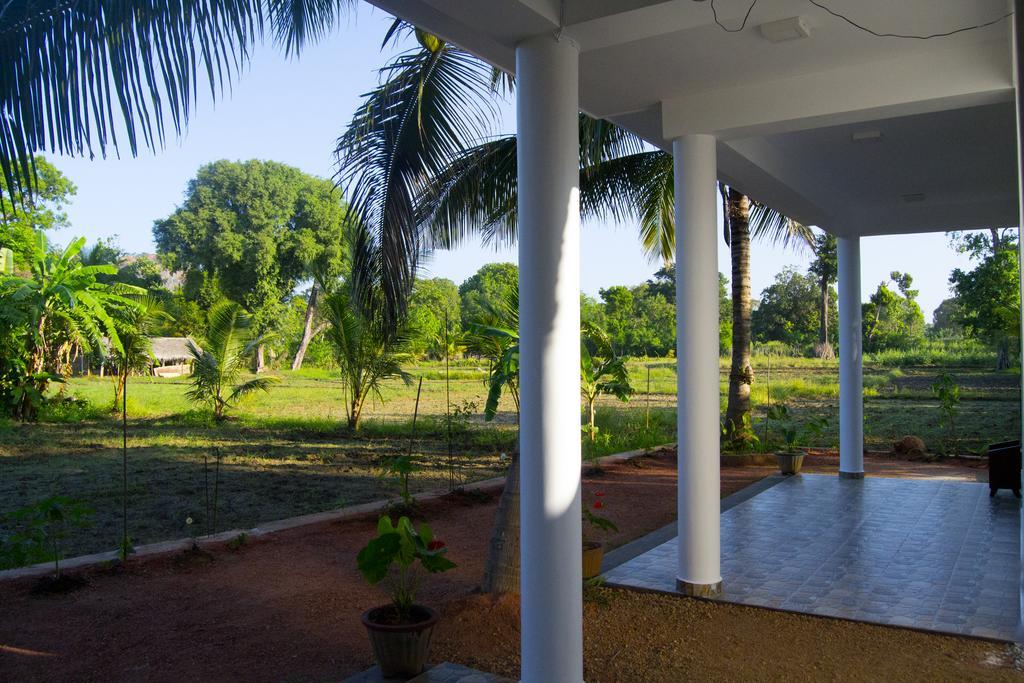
x=935 y=555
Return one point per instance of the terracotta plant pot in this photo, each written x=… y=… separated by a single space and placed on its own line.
x=401 y=649
x=593 y=553
x=790 y=463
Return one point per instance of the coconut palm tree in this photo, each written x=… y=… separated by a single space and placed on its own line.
x=744 y=220
x=217 y=366
x=134 y=325
x=366 y=356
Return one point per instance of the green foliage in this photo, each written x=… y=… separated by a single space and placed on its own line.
x=250 y=231
x=364 y=354
x=795 y=433
x=41 y=210
x=789 y=311
x=217 y=366
x=488 y=287
x=401 y=467
x=602 y=371
x=433 y=302
x=45 y=526
x=639 y=320
x=595 y=521
x=45 y=318
x=988 y=296
x=495 y=337
x=395 y=551
x=947 y=391
x=892 y=319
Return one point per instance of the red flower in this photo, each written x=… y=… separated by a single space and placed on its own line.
x=436 y=545
x=598 y=505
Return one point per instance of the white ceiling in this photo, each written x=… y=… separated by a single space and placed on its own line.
x=785 y=112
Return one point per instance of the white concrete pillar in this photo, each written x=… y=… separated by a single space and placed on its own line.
x=851 y=362
x=547 y=71
x=699 y=414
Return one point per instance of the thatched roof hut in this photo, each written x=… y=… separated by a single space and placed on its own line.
x=170 y=349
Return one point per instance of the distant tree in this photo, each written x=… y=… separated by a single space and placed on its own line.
x=591 y=311
x=946 y=318
x=664 y=283
x=639 y=322
x=989 y=295
x=250 y=231
x=42 y=210
x=825 y=269
x=104 y=252
x=893 y=319
x=789 y=310
x=491 y=284
x=142 y=272
x=432 y=300
x=218 y=365
x=724 y=316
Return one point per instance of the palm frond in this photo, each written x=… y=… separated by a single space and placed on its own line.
x=66 y=66
x=298 y=22
x=431 y=105
x=253 y=385
x=768 y=224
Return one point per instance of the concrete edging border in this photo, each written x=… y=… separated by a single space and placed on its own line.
x=264 y=528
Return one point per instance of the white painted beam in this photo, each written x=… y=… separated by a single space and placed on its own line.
x=647 y=22
x=948 y=77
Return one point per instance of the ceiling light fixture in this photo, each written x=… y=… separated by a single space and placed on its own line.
x=786 y=29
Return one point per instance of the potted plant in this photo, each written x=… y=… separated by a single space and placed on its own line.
x=790 y=458
x=593 y=551
x=400 y=631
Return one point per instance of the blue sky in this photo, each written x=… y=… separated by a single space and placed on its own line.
x=292 y=111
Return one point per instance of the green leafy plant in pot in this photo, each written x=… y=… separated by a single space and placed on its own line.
x=791 y=458
x=400 y=631
x=593 y=551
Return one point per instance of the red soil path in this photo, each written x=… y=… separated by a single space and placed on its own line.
x=284 y=607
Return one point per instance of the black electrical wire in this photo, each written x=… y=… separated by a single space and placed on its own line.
x=851 y=22
x=742 y=26
x=909 y=36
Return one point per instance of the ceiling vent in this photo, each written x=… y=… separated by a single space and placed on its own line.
x=914 y=198
x=786 y=29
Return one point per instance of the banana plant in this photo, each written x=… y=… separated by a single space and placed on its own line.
x=603 y=372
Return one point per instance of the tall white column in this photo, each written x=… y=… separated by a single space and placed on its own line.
x=547 y=71
x=699 y=426
x=851 y=362
x=1017 y=50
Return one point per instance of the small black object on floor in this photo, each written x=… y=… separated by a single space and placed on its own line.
x=1004 y=467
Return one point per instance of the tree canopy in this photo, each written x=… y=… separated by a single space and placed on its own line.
x=789 y=310
x=41 y=210
x=492 y=283
x=252 y=230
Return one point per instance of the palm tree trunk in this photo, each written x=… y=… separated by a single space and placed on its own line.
x=501 y=572
x=741 y=374
x=307 y=328
x=260 y=362
x=824 y=346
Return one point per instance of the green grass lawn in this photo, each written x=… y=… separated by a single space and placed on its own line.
x=287 y=452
